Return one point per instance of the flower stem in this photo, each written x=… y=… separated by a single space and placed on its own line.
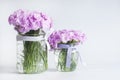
x=62 y=61
x=35 y=54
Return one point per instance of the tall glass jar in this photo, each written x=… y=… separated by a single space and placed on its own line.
x=31 y=53
x=66 y=58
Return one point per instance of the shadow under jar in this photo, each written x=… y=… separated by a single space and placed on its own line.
x=32 y=52
x=66 y=58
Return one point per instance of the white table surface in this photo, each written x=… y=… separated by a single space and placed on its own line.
x=90 y=72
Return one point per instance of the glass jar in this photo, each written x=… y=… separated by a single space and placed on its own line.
x=31 y=54
x=66 y=58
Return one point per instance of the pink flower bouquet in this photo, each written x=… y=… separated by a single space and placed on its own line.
x=64 y=42
x=31 y=26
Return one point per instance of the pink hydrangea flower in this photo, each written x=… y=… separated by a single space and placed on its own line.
x=24 y=21
x=65 y=37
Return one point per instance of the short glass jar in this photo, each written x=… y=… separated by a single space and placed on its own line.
x=66 y=57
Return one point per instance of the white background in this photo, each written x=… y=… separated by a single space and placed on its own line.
x=98 y=19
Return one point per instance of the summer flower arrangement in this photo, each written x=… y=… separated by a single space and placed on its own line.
x=64 y=43
x=32 y=50
x=32 y=28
